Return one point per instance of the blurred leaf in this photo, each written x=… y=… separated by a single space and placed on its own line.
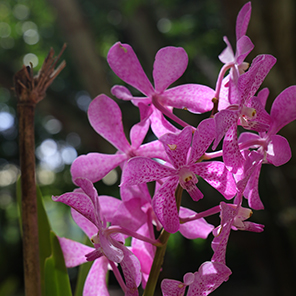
x=56 y=276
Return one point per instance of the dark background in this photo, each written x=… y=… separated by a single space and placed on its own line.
x=262 y=264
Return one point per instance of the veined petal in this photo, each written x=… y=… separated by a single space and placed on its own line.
x=232 y=156
x=199 y=228
x=172 y=288
x=227 y=55
x=242 y=20
x=80 y=202
x=195 y=98
x=138 y=133
x=160 y=125
x=121 y=92
x=209 y=277
x=142 y=170
x=129 y=215
x=131 y=269
x=224 y=120
x=106 y=119
x=110 y=248
x=153 y=149
x=249 y=82
x=95 y=166
x=74 y=252
x=88 y=227
x=169 y=65
x=202 y=138
x=278 y=150
x=177 y=146
x=244 y=46
x=95 y=283
x=164 y=205
x=125 y=64
x=217 y=175
x=283 y=109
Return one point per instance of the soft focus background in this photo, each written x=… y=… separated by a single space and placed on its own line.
x=262 y=264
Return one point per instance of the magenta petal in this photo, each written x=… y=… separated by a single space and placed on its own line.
x=244 y=46
x=164 y=205
x=108 y=206
x=227 y=55
x=80 y=202
x=110 y=248
x=88 y=227
x=129 y=215
x=131 y=269
x=216 y=174
x=202 y=138
x=209 y=277
x=224 y=120
x=172 y=288
x=194 y=229
x=142 y=170
x=278 y=150
x=95 y=283
x=95 y=166
x=74 y=252
x=160 y=125
x=125 y=64
x=169 y=65
x=121 y=92
x=177 y=146
x=138 y=133
x=232 y=156
x=242 y=20
x=283 y=109
x=153 y=149
x=196 y=98
x=105 y=117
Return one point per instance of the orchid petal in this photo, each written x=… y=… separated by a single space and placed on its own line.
x=125 y=64
x=224 y=120
x=177 y=146
x=196 y=98
x=283 y=109
x=202 y=138
x=153 y=149
x=172 y=288
x=80 y=202
x=164 y=205
x=110 y=248
x=74 y=252
x=142 y=170
x=170 y=63
x=232 y=156
x=95 y=283
x=106 y=119
x=209 y=277
x=227 y=55
x=138 y=133
x=216 y=174
x=108 y=206
x=88 y=227
x=278 y=150
x=244 y=46
x=242 y=20
x=160 y=125
x=194 y=229
x=95 y=166
x=121 y=92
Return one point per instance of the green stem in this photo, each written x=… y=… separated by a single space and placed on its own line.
x=160 y=252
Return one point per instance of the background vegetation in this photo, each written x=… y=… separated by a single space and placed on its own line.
x=262 y=264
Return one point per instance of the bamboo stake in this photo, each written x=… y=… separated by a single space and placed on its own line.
x=29 y=91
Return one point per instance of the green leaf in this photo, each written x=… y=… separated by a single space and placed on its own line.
x=56 y=276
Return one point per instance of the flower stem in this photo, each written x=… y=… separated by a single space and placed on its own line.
x=160 y=252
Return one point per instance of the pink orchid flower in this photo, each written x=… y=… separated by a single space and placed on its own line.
x=170 y=63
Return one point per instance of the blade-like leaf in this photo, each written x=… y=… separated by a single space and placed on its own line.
x=56 y=275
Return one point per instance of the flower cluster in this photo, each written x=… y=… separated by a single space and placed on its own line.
x=175 y=161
